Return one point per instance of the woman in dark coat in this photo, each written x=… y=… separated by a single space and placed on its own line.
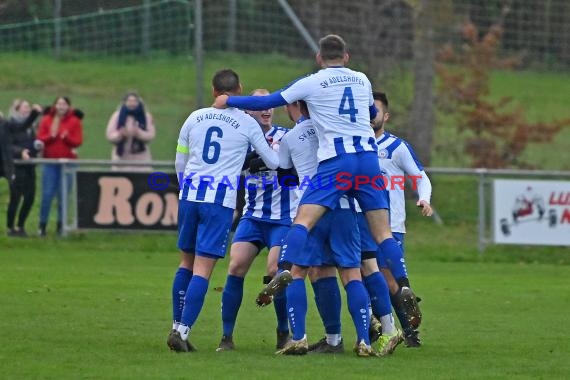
x=23 y=188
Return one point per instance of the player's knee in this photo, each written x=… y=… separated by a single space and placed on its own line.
x=309 y=214
x=368 y=267
x=323 y=272
x=299 y=271
x=237 y=267
x=349 y=274
x=186 y=260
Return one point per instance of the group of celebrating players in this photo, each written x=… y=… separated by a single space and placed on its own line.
x=310 y=229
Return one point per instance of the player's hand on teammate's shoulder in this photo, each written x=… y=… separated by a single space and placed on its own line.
x=426 y=208
x=221 y=102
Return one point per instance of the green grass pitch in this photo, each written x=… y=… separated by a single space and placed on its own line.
x=97 y=305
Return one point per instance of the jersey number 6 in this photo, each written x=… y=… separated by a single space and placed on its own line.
x=208 y=143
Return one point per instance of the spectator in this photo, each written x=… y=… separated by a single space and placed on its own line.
x=61 y=132
x=6 y=161
x=130 y=129
x=23 y=188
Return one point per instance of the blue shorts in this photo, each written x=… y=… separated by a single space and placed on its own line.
x=334 y=241
x=262 y=234
x=203 y=228
x=347 y=174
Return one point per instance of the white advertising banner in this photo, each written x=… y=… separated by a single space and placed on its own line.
x=531 y=212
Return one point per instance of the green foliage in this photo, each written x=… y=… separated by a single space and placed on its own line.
x=496 y=132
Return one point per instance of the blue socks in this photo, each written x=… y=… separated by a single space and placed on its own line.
x=379 y=294
x=294 y=242
x=231 y=302
x=280 y=304
x=297 y=307
x=327 y=297
x=179 y=287
x=392 y=252
x=194 y=300
x=357 y=299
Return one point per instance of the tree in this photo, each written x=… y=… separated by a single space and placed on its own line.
x=497 y=131
x=422 y=114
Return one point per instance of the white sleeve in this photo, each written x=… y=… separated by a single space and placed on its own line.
x=183 y=145
x=180 y=164
x=259 y=143
x=182 y=151
x=298 y=90
x=408 y=162
x=285 y=161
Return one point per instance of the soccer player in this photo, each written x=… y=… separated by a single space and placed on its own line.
x=211 y=149
x=397 y=158
x=341 y=106
x=332 y=242
x=267 y=216
x=299 y=150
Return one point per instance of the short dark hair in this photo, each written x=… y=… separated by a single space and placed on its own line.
x=225 y=80
x=382 y=98
x=332 y=47
x=303 y=107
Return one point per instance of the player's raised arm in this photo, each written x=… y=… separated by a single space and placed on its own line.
x=294 y=91
x=254 y=103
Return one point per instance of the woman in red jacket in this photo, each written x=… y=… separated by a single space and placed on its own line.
x=61 y=132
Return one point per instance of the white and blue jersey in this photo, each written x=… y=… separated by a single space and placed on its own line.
x=339 y=101
x=397 y=159
x=216 y=142
x=298 y=150
x=265 y=199
x=341 y=104
x=334 y=240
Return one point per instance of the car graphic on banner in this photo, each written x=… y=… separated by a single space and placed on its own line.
x=531 y=212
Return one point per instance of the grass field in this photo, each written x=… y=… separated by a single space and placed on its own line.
x=97 y=305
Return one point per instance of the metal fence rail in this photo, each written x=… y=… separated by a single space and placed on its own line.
x=483 y=176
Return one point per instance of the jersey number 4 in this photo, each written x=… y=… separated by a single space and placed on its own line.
x=348 y=98
x=209 y=144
